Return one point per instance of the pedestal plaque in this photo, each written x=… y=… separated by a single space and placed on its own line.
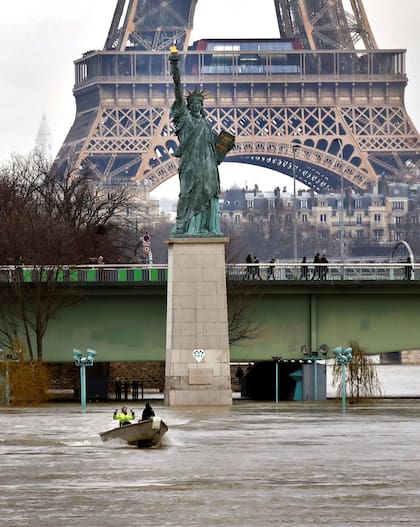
x=197 y=370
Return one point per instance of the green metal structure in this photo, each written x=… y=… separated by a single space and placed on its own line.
x=128 y=322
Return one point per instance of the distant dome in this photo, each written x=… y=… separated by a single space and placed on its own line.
x=43 y=140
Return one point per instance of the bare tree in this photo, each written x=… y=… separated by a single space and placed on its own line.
x=50 y=222
x=32 y=297
x=362 y=377
x=242 y=299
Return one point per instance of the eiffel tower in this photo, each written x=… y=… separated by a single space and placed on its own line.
x=322 y=103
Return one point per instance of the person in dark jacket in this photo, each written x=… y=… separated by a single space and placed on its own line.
x=316 y=274
x=324 y=269
x=304 y=269
x=147 y=412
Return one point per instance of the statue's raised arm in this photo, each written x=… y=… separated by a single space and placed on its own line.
x=174 y=58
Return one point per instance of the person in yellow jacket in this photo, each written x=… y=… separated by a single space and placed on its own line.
x=124 y=417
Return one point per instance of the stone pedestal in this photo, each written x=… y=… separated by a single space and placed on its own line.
x=197 y=370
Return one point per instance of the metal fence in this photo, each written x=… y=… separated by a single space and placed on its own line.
x=330 y=272
x=278 y=272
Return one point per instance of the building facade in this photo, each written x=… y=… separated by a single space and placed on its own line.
x=380 y=218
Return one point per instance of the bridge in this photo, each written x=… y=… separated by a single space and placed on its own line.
x=122 y=310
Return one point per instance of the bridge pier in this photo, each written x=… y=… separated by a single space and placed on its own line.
x=197 y=369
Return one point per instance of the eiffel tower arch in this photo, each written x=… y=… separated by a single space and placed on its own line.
x=321 y=102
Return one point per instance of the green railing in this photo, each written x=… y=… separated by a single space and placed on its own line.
x=85 y=274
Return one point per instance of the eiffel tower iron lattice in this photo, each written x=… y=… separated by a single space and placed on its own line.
x=323 y=85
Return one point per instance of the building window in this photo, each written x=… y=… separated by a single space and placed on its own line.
x=323 y=218
x=398 y=236
x=359 y=219
x=359 y=234
x=378 y=233
x=377 y=217
x=357 y=203
x=413 y=220
x=250 y=218
x=304 y=218
x=237 y=218
x=323 y=234
x=398 y=205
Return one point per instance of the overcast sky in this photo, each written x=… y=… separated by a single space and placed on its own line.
x=42 y=38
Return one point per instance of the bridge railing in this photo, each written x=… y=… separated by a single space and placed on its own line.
x=85 y=273
x=331 y=272
x=279 y=272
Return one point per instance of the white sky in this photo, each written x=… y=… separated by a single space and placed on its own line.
x=42 y=38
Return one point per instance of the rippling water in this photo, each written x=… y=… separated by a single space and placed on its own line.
x=259 y=464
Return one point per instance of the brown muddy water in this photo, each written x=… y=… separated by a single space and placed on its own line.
x=252 y=464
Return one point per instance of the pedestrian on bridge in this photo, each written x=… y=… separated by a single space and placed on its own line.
x=248 y=260
x=408 y=275
x=271 y=267
x=316 y=271
x=324 y=269
x=256 y=269
x=304 y=269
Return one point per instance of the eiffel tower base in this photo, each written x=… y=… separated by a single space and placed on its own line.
x=197 y=369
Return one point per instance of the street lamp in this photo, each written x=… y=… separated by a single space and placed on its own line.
x=294 y=148
x=343 y=358
x=82 y=362
x=277 y=359
x=13 y=355
x=314 y=357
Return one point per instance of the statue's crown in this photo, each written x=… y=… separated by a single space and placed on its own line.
x=196 y=94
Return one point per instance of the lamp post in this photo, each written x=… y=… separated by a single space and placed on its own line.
x=343 y=357
x=314 y=357
x=294 y=148
x=6 y=357
x=277 y=359
x=82 y=362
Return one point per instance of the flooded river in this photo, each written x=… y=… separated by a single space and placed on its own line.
x=254 y=464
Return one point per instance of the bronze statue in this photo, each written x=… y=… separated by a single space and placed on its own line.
x=200 y=151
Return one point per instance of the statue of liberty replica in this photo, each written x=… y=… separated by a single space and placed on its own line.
x=197 y=361
x=200 y=151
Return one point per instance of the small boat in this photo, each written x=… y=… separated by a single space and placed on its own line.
x=142 y=434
